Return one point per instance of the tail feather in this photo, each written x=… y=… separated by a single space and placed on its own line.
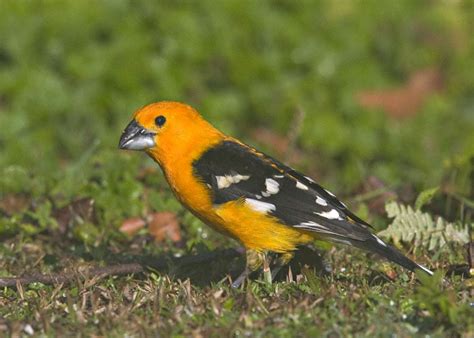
x=378 y=246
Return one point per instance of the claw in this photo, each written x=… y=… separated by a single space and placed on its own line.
x=254 y=261
x=238 y=282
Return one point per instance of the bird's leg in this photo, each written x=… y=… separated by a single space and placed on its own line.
x=267 y=272
x=254 y=261
x=281 y=261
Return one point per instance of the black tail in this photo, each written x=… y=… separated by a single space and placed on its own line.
x=376 y=245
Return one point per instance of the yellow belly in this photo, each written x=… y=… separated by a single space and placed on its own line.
x=256 y=230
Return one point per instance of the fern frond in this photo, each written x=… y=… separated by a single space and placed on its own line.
x=414 y=226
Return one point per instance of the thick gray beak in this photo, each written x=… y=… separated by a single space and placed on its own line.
x=135 y=137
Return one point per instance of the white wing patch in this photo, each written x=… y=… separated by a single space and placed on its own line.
x=333 y=214
x=314 y=227
x=379 y=241
x=321 y=201
x=272 y=186
x=227 y=180
x=259 y=205
x=309 y=224
x=301 y=186
x=330 y=193
x=428 y=271
x=309 y=179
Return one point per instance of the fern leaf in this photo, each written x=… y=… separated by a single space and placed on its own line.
x=419 y=228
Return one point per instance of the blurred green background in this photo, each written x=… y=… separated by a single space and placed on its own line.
x=72 y=73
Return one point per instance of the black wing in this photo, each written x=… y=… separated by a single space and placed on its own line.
x=235 y=171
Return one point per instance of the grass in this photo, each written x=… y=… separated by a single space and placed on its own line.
x=71 y=74
x=353 y=299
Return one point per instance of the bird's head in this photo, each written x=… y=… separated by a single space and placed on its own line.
x=165 y=128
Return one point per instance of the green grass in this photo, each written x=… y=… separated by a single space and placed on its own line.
x=72 y=73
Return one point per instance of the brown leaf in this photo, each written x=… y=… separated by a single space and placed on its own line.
x=164 y=225
x=82 y=210
x=14 y=203
x=391 y=273
x=132 y=225
x=406 y=100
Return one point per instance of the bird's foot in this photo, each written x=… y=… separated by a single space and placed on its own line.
x=254 y=260
x=239 y=280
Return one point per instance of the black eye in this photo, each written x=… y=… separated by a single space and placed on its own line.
x=160 y=120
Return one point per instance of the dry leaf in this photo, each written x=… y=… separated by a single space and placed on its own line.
x=406 y=100
x=164 y=225
x=82 y=210
x=132 y=225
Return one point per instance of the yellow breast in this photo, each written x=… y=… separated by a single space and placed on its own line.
x=258 y=231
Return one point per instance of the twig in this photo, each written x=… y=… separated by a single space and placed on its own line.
x=66 y=278
x=116 y=270
x=294 y=131
x=369 y=195
x=462 y=199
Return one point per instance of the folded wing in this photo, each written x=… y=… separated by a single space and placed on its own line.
x=234 y=171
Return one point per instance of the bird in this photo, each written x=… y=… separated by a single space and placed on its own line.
x=267 y=206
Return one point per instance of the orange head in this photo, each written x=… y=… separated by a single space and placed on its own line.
x=168 y=131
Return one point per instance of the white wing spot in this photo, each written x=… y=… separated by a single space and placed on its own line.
x=227 y=180
x=330 y=193
x=333 y=214
x=428 y=271
x=301 y=186
x=321 y=201
x=222 y=182
x=309 y=179
x=380 y=241
x=278 y=176
x=259 y=205
x=310 y=225
x=273 y=187
x=258 y=196
x=307 y=224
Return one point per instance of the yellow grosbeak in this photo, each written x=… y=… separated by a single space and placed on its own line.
x=243 y=193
